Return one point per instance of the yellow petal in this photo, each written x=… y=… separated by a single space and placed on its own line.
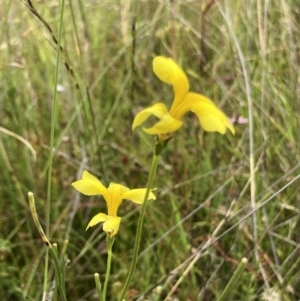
x=115 y=191
x=166 y=125
x=169 y=72
x=89 y=185
x=117 y=188
x=137 y=195
x=100 y=217
x=157 y=110
x=112 y=224
x=211 y=118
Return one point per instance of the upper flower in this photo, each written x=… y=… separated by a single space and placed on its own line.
x=211 y=118
x=113 y=195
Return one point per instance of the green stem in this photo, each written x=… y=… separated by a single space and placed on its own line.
x=53 y=126
x=55 y=297
x=47 y=243
x=109 y=243
x=63 y=263
x=159 y=147
x=98 y=286
x=232 y=284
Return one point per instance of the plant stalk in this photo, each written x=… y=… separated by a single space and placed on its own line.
x=47 y=243
x=231 y=285
x=158 y=149
x=109 y=243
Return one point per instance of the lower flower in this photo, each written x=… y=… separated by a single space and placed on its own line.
x=114 y=196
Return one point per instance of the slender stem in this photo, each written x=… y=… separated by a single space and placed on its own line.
x=159 y=147
x=55 y=298
x=109 y=244
x=63 y=263
x=53 y=126
x=231 y=285
x=98 y=286
x=47 y=243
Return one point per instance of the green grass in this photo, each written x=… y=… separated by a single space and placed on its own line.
x=203 y=178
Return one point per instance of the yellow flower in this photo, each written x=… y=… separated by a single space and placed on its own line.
x=211 y=118
x=113 y=195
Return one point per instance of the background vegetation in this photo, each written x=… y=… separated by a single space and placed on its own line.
x=242 y=54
